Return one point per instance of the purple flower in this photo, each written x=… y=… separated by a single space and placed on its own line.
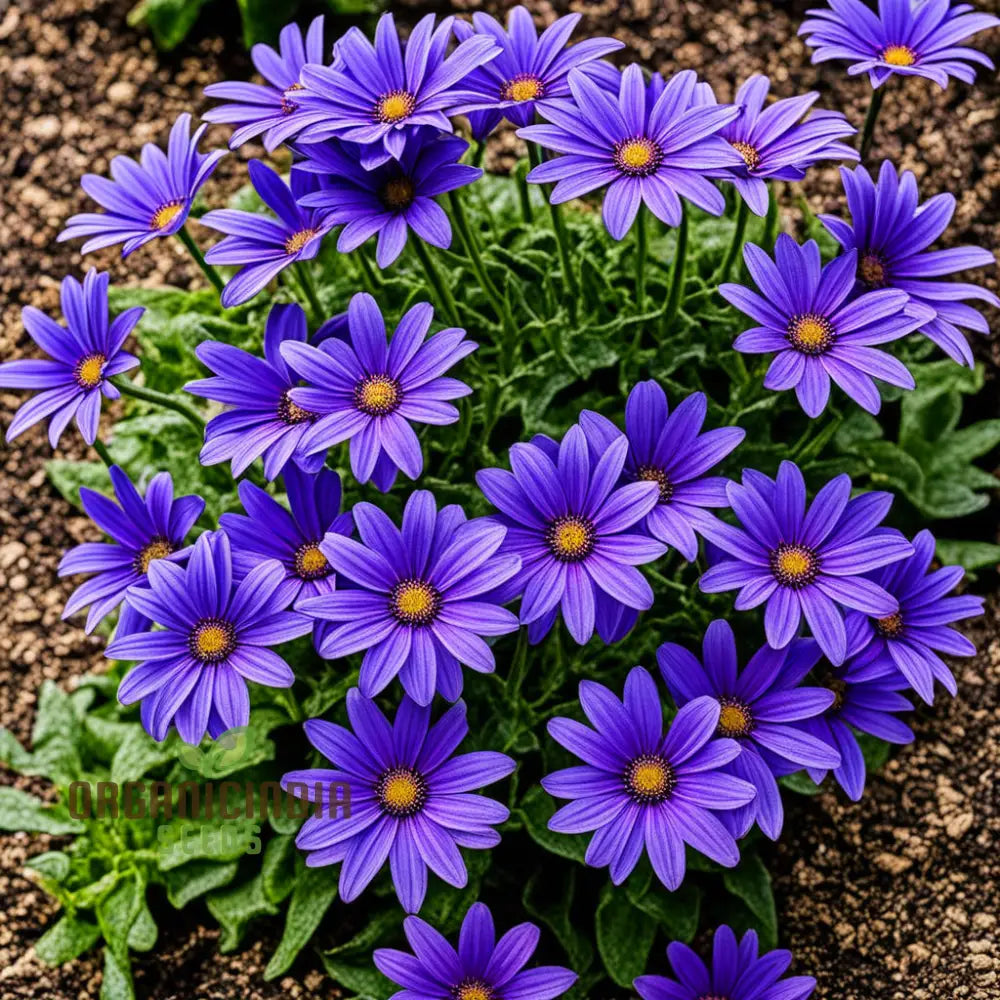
x=575 y=534
x=669 y=449
x=269 y=107
x=737 y=971
x=410 y=798
x=909 y=640
x=142 y=530
x=756 y=705
x=85 y=355
x=215 y=635
x=148 y=199
x=262 y=245
x=530 y=71
x=376 y=95
x=363 y=390
x=639 y=788
x=391 y=199
x=482 y=968
x=422 y=600
x=912 y=39
x=890 y=233
x=646 y=156
x=804 y=562
x=816 y=327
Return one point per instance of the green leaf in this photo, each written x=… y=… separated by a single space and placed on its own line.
x=235 y=907
x=143 y=932
x=169 y=21
x=278 y=868
x=183 y=840
x=65 y=939
x=315 y=889
x=535 y=810
x=196 y=878
x=52 y=864
x=117 y=912
x=676 y=912
x=117 y=981
x=21 y=811
x=971 y=555
x=624 y=936
x=553 y=909
x=751 y=883
x=139 y=753
x=364 y=979
x=800 y=783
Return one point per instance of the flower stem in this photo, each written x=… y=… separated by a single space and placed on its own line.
x=678 y=266
x=291 y=703
x=435 y=277
x=524 y=196
x=868 y=130
x=641 y=251
x=309 y=290
x=562 y=238
x=771 y=220
x=199 y=258
x=742 y=217
x=101 y=450
x=130 y=388
x=368 y=278
x=479 y=153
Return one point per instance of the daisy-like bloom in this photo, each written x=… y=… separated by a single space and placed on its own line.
x=530 y=70
x=909 y=640
x=391 y=199
x=148 y=199
x=909 y=37
x=891 y=234
x=643 y=155
x=369 y=392
x=818 y=328
x=262 y=245
x=669 y=449
x=261 y=419
x=756 y=705
x=576 y=531
x=83 y=356
x=640 y=788
x=376 y=95
x=215 y=637
x=481 y=968
x=410 y=798
x=421 y=597
x=804 y=562
x=142 y=530
x=738 y=971
x=269 y=107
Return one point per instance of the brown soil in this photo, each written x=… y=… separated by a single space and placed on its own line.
x=890 y=898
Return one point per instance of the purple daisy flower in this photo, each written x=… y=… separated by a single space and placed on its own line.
x=148 y=199
x=738 y=970
x=410 y=798
x=645 y=156
x=530 y=70
x=391 y=199
x=215 y=635
x=376 y=95
x=575 y=532
x=481 y=968
x=142 y=530
x=639 y=788
x=262 y=245
x=756 y=705
x=269 y=107
x=891 y=233
x=804 y=562
x=366 y=391
x=670 y=450
x=910 y=38
x=817 y=328
x=422 y=601
x=84 y=355
x=909 y=640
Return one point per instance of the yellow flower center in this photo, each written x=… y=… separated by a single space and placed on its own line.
x=898 y=55
x=401 y=791
x=570 y=538
x=398 y=193
x=377 y=395
x=289 y=412
x=890 y=627
x=872 y=271
x=638 y=156
x=298 y=240
x=414 y=602
x=473 y=989
x=524 y=87
x=166 y=214
x=310 y=563
x=794 y=565
x=651 y=474
x=212 y=640
x=394 y=107
x=734 y=718
x=810 y=333
x=649 y=778
x=751 y=157
x=89 y=371
x=157 y=548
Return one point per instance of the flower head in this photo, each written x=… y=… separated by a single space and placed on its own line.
x=377 y=95
x=271 y=107
x=891 y=233
x=84 y=356
x=391 y=199
x=481 y=968
x=420 y=602
x=148 y=199
x=142 y=530
x=215 y=635
x=908 y=641
x=265 y=246
x=640 y=788
x=364 y=390
x=817 y=328
x=908 y=37
x=738 y=970
x=410 y=798
x=643 y=155
x=670 y=450
x=804 y=562
x=576 y=532
x=756 y=705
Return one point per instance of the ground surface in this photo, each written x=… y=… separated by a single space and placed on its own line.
x=891 y=898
